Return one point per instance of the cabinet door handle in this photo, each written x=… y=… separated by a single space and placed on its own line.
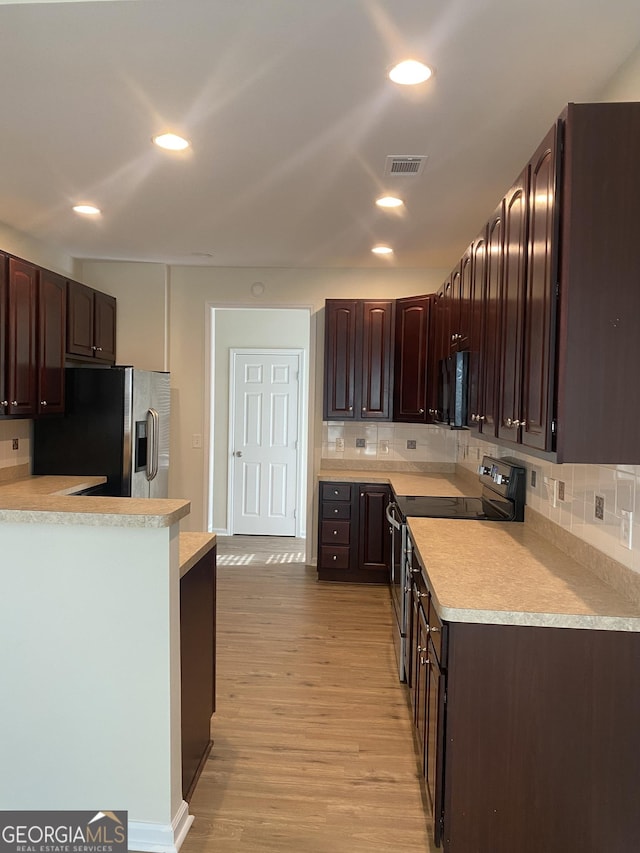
x=4 y=402
x=335 y=532
x=434 y=630
x=364 y=409
x=335 y=557
x=14 y=402
x=43 y=403
x=421 y=411
x=424 y=661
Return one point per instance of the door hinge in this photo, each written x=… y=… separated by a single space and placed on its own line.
x=553 y=426
x=557 y=289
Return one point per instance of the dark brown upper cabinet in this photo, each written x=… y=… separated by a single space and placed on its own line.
x=52 y=318
x=477 y=297
x=20 y=371
x=91 y=324
x=490 y=352
x=410 y=402
x=358 y=359
x=513 y=308
x=538 y=386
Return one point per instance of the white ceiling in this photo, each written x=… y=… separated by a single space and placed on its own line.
x=291 y=117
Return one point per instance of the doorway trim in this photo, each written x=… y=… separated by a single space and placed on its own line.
x=310 y=432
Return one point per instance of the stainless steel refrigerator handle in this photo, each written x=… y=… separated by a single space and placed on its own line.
x=153 y=430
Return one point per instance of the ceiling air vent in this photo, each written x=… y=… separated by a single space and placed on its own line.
x=404 y=164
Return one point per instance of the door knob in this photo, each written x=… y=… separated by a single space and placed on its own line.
x=238 y=453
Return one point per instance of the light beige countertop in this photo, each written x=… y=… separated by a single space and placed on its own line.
x=52 y=500
x=193 y=547
x=48 y=485
x=407 y=482
x=92 y=511
x=499 y=573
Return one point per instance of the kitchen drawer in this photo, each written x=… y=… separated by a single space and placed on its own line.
x=336 y=510
x=334 y=557
x=336 y=532
x=336 y=491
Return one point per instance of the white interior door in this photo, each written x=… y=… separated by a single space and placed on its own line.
x=264 y=438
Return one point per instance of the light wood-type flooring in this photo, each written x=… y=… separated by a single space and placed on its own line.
x=313 y=744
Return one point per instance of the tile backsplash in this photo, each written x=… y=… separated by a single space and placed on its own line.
x=566 y=495
x=387 y=442
x=9 y=431
x=575 y=487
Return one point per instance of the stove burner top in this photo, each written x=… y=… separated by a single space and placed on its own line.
x=479 y=509
x=503 y=484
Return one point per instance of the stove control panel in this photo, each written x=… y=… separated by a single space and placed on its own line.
x=505 y=476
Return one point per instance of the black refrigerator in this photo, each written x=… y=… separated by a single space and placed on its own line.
x=116 y=424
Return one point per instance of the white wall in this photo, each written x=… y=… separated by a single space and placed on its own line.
x=20 y=244
x=89 y=640
x=625 y=85
x=191 y=290
x=140 y=290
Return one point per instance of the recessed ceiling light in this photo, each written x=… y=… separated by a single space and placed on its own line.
x=389 y=201
x=382 y=250
x=87 y=209
x=410 y=72
x=171 y=142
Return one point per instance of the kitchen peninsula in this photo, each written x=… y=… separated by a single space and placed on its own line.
x=90 y=639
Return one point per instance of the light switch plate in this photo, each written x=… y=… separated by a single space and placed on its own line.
x=339 y=445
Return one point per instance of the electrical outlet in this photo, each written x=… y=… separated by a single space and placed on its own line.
x=383 y=445
x=411 y=444
x=340 y=445
x=361 y=442
x=599 y=507
x=534 y=478
x=626 y=528
x=560 y=490
x=196 y=441
x=15 y=444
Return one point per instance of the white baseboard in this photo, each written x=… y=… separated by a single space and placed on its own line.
x=161 y=838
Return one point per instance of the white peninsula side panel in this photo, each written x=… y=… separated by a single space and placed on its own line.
x=90 y=668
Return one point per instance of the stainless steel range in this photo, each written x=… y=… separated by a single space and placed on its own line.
x=502 y=499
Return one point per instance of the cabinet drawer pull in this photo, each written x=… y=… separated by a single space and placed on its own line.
x=335 y=557
x=335 y=532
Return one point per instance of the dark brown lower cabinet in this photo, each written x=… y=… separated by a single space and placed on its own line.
x=198 y=666
x=528 y=736
x=354 y=544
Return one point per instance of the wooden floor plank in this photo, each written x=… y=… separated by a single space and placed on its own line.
x=313 y=742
